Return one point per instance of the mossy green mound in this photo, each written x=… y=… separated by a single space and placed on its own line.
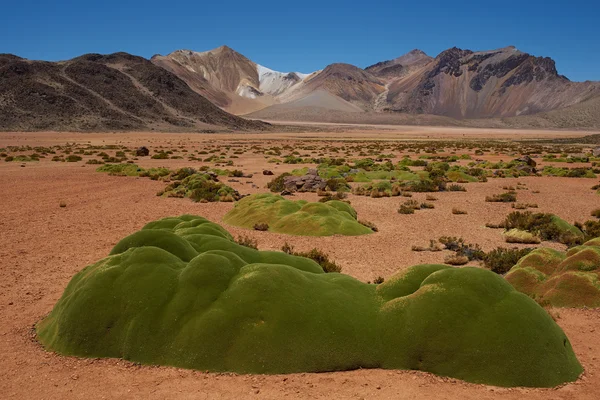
x=551 y=277
x=200 y=187
x=187 y=182
x=296 y=217
x=181 y=292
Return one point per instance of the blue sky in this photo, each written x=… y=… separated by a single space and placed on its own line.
x=307 y=35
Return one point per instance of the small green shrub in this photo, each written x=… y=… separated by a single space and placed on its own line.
x=316 y=255
x=501 y=260
x=456 y=188
x=73 y=158
x=276 y=185
x=508 y=197
x=369 y=225
x=247 y=241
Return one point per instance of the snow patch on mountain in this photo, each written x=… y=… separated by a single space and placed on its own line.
x=275 y=82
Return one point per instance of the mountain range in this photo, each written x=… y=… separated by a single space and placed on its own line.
x=104 y=92
x=202 y=90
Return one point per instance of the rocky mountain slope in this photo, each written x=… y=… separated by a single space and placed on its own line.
x=500 y=83
x=104 y=92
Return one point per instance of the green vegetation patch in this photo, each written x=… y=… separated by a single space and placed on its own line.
x=187 y=182
x=545 y=226
x=181 y=292
x=300 y=217
x=200 y=188
x=560 y=279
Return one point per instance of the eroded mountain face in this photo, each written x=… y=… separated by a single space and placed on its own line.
x=228 y=78
x=103 y=92
x=505 y=82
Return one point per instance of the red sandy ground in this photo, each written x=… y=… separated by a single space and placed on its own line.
x=42 y=246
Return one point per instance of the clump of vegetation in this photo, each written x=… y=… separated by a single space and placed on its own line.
x=160 y=156
x=544 y=226
x=276 y=185
x=501 y=260
x=316 y=255
x=519 y=236
x=524 y=206
x=121 y=169
x=261 y=227
x=456 y=188
x=433 y=246
x=596 y=213
x=458 y=211
x=337 y=185
x=369 y=225
x=461 y=248
x=247 y=241
x=328 y=196
x=569 y=173
x=409 y=207
x=73 y=158
x=202 y=188
x=508 y=197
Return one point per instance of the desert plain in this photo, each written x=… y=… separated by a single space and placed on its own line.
x=58 y=217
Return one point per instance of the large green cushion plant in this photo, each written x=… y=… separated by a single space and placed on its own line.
x=296 y=217
x=181 y=292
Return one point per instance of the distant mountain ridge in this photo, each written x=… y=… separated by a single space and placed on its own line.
x=104 y=92
x=458 y=83
x=188 y=90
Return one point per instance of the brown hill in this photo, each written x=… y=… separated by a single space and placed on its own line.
x=345 y=81
x=220 y=74
x=401 y=66
x=103 y=92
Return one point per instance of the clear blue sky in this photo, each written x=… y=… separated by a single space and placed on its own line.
x=306 y=35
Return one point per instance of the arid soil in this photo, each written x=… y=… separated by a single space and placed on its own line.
x=43 y=245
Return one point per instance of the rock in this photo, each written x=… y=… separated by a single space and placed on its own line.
x=267 y=172
x=213 y=176
x=528 y=169
x=596 y=152
x=142 y=151
x=305 y=183
x=286 y=193
x=527 y=160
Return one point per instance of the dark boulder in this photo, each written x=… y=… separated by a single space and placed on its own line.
x=142 y=152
